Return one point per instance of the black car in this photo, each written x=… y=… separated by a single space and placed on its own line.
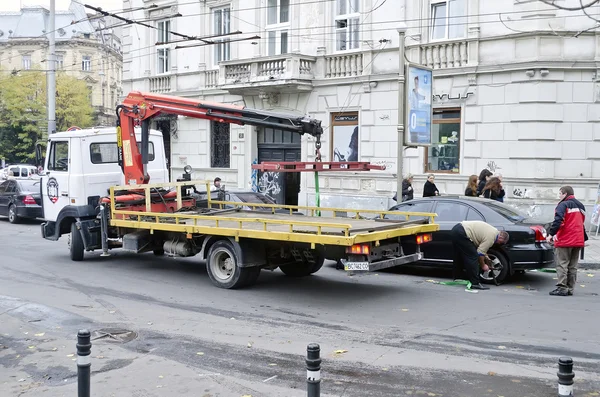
x=20 y=198
x=526 y=249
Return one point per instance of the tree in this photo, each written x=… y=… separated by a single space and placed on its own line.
x=73 y=107
x=23 y=112
x=22 y=115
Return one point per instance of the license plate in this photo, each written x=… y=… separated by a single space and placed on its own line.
x=356 y=266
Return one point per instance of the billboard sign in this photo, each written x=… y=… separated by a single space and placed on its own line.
x=419 y=109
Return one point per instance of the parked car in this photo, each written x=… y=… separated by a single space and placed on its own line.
x=20 y=198
x=18 y=171
x=526 y=249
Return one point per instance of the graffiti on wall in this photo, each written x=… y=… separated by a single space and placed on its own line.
x=521 y=192
x=492 y=166
x=269 y=183
x=254 y=178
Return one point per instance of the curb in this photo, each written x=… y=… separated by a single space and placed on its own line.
x=589 y=265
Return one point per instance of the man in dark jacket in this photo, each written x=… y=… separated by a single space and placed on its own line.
x=568 y=233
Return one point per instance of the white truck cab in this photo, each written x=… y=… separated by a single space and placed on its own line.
x=80 y=167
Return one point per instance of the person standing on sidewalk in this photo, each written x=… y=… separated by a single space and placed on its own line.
x=569 y=236
x=471 y=241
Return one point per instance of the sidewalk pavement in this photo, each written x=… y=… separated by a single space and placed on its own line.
x=591 y=253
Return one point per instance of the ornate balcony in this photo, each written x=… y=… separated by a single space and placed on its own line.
x=446 y=54
x=282 y=73
x=160 y=84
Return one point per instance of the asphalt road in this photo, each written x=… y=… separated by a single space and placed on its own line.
x=381 y=334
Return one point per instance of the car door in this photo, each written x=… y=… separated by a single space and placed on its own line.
x=4 y=198
x=409 y=244
x=449 y=213
x=55 y=180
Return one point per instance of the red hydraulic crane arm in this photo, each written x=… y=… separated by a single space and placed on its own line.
x=139 y=108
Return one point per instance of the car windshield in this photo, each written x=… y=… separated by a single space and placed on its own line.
x=254 y=198
x=506 y=211
x=30 y=186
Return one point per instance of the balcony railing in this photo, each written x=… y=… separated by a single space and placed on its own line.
x=446 y=55
x=160 y=84
x=277 y=69
x=343 y=65
x=211 y=78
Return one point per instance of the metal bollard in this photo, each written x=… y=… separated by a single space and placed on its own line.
x=565 y=377
x=313 y=370
x=84 y=363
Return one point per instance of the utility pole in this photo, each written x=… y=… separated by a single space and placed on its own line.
x=401 y=116
x=51 y=77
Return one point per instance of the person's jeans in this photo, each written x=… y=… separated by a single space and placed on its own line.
x=567 y=259
x=465 y=255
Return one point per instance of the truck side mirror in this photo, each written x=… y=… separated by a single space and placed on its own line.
x=39 y=158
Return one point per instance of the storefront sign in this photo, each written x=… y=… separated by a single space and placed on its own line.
x=419 y=112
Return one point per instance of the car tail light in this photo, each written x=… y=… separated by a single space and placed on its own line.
x=29 y=200
x=359 y=249
x=540 y=233
x=424 y=238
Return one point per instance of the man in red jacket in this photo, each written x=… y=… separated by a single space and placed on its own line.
x=568 y=233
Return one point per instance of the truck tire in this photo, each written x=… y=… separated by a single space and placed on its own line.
x=12 y=215
x=303 y=269
x=76 y=247
x=223 y=267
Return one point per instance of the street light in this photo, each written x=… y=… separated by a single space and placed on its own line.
x=401 y=95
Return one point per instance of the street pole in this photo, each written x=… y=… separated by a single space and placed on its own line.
x=84 y=363
x=401 y=95
x=51 y=79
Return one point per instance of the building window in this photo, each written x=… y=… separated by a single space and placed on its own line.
x=222 y=26
x=60 y=61
x=219 y=145
x=444 y=153
x=26 y=62
x=448 y=19
x=346 y=25
x=278 y=23
x=344 y=137
x=163 y=53
x=86 y=63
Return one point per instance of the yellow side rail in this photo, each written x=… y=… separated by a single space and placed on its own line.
x=314 y=232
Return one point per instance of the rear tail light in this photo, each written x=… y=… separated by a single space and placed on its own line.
x=540 y=233
x=29 y=200
x=359 y=249
x=424 y=238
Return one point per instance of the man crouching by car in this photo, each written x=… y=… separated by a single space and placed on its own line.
x=569 y=236
x=471 y=241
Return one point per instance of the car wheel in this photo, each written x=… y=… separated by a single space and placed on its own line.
x=223 y=268
x=501 y=267
x=12 y=215
x=76 y=246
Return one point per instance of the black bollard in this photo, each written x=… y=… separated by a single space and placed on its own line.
x=565 y=377
x=313 y=370
x=84 y=363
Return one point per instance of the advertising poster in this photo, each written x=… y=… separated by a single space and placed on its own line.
x=345 y=138
x=419 y=95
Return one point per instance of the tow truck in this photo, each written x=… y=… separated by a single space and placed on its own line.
x=235 y=243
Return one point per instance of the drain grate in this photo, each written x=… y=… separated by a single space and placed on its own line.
x=116 y=335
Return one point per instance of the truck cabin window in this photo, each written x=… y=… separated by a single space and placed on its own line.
x=59 y=156
x=105 y=153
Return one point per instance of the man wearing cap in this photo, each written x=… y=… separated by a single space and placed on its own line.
x=471 y=241
x=217 y=182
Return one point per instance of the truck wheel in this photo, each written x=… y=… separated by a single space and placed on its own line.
x=12 y=215
x=223 y=268
x=76 y=244
x=303 y=269
x=158 y=251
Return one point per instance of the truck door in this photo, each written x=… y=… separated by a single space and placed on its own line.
x=55 y=180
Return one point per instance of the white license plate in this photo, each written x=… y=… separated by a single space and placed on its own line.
x=356 y=266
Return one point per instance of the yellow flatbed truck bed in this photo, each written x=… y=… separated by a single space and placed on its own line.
x=237 y=240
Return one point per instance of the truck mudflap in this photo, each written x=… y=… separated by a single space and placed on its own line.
x=367 y=266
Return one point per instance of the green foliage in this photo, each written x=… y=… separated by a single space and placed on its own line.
x=23 y=112
x=73 y=106
x=22 y=115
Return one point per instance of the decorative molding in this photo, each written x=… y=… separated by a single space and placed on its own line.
x=272 y=98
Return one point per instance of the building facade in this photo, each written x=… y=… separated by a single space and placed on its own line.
x=86 y=48
x=515 y=90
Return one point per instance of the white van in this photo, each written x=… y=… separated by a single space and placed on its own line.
x=19 y=171
x=82 y=165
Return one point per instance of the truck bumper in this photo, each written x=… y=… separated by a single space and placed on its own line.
x=49 y=231
x=379 y=265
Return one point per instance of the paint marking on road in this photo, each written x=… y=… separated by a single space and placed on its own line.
x=270 y=379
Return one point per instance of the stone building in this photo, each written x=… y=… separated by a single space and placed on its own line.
x=85 y=48
x=514 y=82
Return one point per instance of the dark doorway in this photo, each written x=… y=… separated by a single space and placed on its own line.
x=277 y=145
x=167 y=125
